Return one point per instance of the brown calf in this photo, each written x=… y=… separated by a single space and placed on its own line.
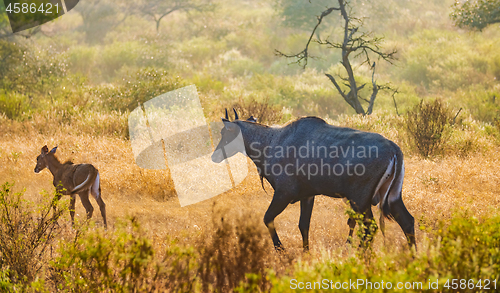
x=70 y=179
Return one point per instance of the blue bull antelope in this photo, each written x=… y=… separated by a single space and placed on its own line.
x=309 y=157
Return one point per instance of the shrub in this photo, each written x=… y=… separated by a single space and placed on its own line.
x=126 y=261
x=234 y=254
x=14 y=105
x=426 y=124
x=469 y=247
x=263 y=111
x=123 y=261
x=464 y=248
x=27 y=232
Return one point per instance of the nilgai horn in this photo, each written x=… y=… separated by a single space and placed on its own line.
x=309 y=157
x=71 y=179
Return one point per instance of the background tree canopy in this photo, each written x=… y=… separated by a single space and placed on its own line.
x=476 y=14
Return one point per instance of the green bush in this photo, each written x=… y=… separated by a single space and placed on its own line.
x=469 y=248
x=27 y=233
x=115 y=56
x=123 y=261
x=14 y=105
x=82 y=59
x=126 y=261
x=140 y=87
x=464 y=248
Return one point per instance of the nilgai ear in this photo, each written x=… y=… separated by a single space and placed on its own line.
x=53 y=150
x=45 y=150
x=252 y=119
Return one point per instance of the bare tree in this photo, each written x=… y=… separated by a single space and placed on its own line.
x=158 y=9
x=355 y=44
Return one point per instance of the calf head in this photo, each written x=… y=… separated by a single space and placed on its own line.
x=41 y=160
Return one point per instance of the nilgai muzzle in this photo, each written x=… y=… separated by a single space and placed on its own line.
x=309 y=157
x=71 y=179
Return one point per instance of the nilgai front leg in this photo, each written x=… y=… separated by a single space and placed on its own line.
x=278 y=204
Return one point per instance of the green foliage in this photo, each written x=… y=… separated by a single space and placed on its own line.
x=432 y=63
x=27 y=233
x=126 y=261
x=476 y=14
x=474 y=254
x=12 y=55
x=136 y=88
x=82 y=59
x=464 y=248
x=4 y=21
x=123 y=261
x=300 y=14
x=31 y=72
x=365 y=231
x=14 y=105
x=115 y=56
x=100 y=17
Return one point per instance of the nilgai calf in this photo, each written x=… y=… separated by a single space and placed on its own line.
x=71 y=179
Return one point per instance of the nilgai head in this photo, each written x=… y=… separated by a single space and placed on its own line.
x=41 y=160
x=231 y=141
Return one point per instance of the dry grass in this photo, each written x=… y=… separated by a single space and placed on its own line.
x=432 y=191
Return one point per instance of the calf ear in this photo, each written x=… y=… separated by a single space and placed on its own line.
x=53 y=150
x=45 y=150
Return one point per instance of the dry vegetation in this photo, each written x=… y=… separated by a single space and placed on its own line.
x=226 y=234
x=75 y=85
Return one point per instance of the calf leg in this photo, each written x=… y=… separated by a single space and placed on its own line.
x=84 y=197
x=404 y=219
x=306 y=207
x=72 y=209
x=96 y=192
x=278 y=204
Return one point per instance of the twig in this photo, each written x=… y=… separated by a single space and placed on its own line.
x=453 y=123
x=394 y=99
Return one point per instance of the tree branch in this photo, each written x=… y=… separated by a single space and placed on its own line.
x=304 y=54
x=374 y=92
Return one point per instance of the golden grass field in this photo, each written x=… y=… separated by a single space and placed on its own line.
x=432 y=191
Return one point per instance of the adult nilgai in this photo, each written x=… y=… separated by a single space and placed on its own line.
x=70 y=179
x=309 y=157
